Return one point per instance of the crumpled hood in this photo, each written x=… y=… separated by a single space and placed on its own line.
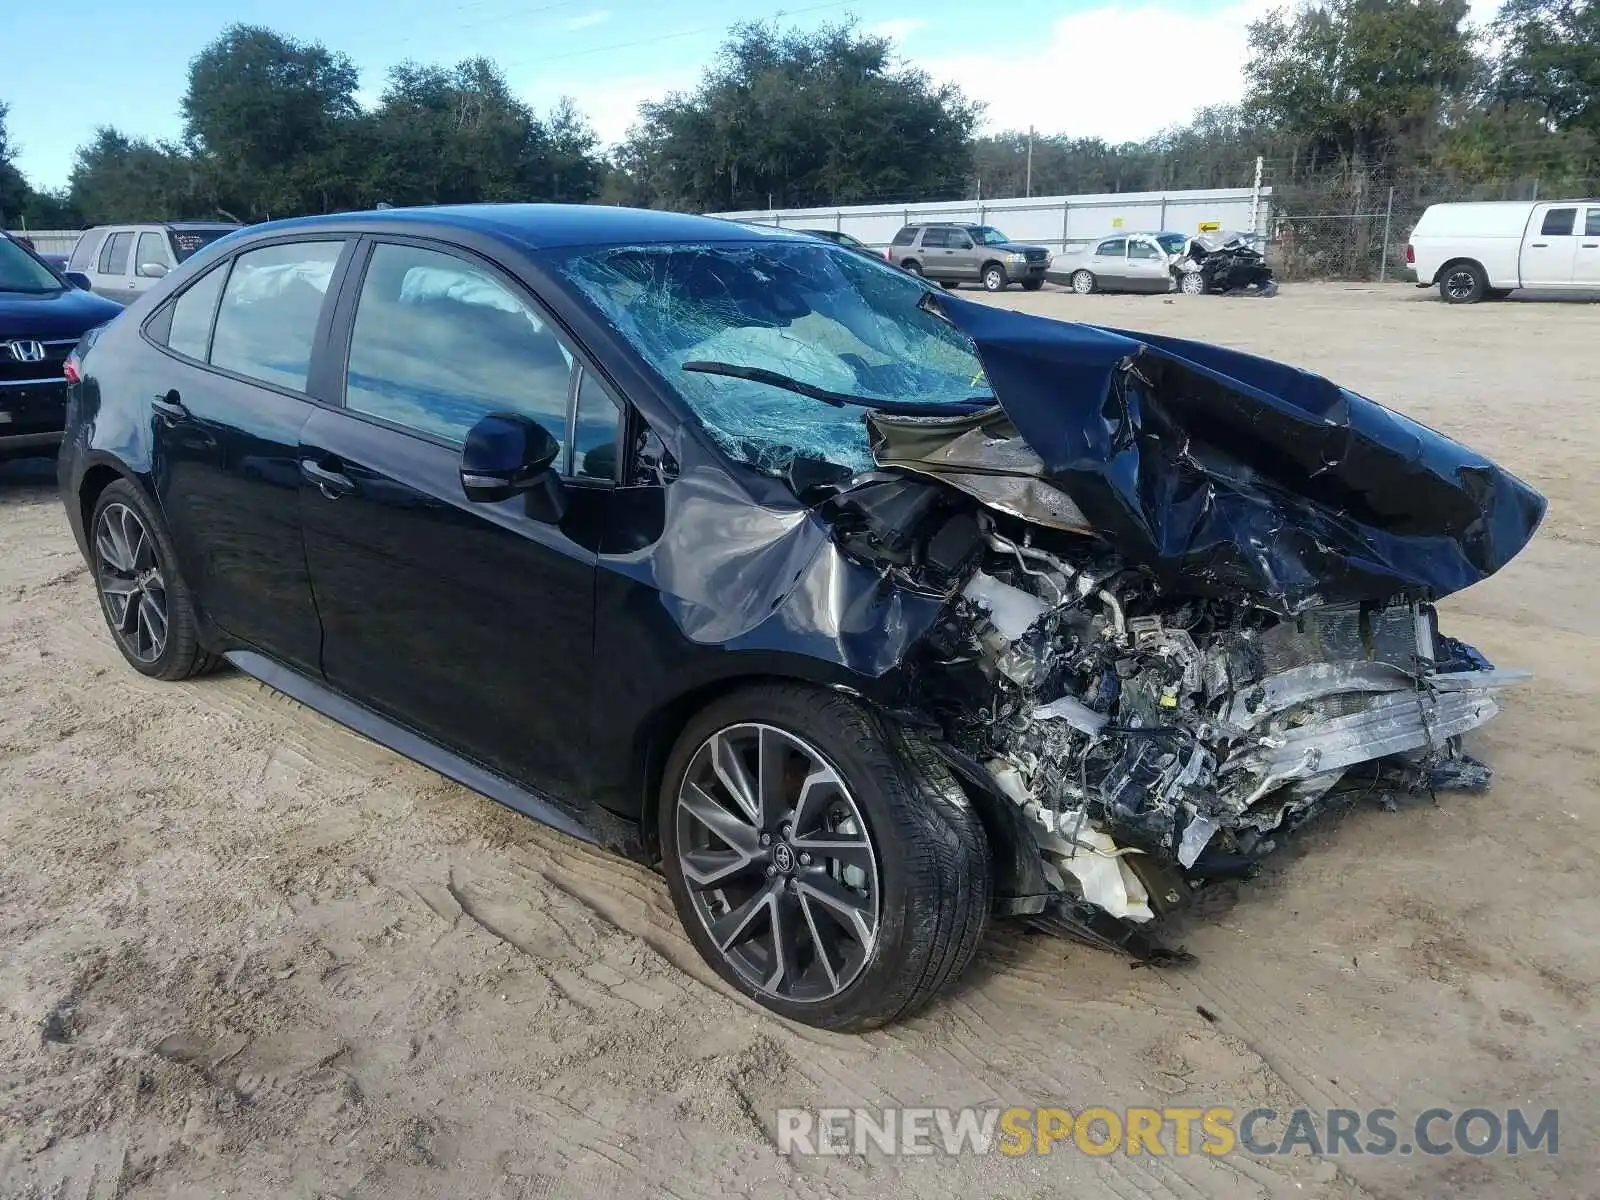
x=1231 y=475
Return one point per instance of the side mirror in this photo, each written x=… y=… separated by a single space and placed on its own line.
x=152 y=270
x=506 y=454
x=78 y=280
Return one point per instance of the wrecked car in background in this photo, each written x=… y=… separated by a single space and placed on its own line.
x=868 y=613
x=1221 y=263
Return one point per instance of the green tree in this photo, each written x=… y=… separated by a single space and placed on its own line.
x=1550 y=60
x=119 y=178
x=1350 y=79
x=454 y=135
x=796 y=118
x=268 y=117
x=14 y=190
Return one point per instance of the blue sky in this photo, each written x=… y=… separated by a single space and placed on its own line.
x=1086 y=67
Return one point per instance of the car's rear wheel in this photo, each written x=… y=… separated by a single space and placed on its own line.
x=1083 y=283
x=823 y=863
x=1463 y=283
x=949 y=285
x=911 y=266
x=994 y=278
x=145 y=600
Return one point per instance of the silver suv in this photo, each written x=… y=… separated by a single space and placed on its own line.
x=124 y=261
x=954 y=254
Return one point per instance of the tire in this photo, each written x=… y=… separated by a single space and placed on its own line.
x=994 y=277
x=1462 y=283
x=911 y=267
x=909 y=850
x=949 y=285
x=1032 y=285
x=136 y=576
x=1083 y=283
x=1192 y=283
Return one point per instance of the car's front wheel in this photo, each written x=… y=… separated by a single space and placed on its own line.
x=145 y=600
x=1192 y=283
x=824 y=863
x=994 y=278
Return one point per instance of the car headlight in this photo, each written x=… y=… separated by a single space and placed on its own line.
x=1016 y=259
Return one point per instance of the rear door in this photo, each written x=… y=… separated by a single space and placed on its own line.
x=1550 y=253
x=471 y=623
x=1109 y=263
x=1147 y=268
x=114 y=266
x=938 y=255
x=1586 y=268
x=229 y=399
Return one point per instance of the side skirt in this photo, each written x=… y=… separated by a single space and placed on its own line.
x=363 y=720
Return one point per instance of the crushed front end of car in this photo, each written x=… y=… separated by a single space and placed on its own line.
x=1188 y=603
x=1222 y=262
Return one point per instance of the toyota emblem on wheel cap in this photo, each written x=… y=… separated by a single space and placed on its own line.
x=26 y=352
x=783 y=858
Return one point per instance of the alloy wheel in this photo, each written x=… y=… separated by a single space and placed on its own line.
x=1083 y=283
x=131 y=583
x=778 y=862
x=994 y=279
x=1192 y=284
x=1459 y=284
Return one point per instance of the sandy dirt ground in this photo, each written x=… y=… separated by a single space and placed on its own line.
x=246 y=953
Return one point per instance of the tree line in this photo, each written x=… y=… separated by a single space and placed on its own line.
x=1338 y=93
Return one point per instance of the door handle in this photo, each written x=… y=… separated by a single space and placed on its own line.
x=1591 y=245
x=1538 y=245
x=170 y=406
x=333 y=484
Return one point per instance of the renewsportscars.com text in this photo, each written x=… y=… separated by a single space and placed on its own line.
x=1098 y=1131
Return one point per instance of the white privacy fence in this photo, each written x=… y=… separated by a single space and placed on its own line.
x=49 y=241
x=1053 y=221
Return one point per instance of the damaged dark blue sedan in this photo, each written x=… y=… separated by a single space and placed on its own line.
x=868 y=613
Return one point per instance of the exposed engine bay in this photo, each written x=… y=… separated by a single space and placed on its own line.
x=1154 y=741
x=1223 y=262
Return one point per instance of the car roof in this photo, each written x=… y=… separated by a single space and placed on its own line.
x=544 y=226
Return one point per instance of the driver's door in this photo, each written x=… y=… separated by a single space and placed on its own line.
x=471 y=623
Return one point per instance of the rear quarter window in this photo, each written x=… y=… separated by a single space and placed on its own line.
x=83 y=253
x=906 y=236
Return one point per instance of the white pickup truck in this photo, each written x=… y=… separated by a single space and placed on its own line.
x=1486 y=251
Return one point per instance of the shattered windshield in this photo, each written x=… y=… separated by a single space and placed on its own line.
x=831 y=321
x=988 y=235
x=1172 y=243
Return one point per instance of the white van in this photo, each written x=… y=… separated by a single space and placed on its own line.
x=1485 y=251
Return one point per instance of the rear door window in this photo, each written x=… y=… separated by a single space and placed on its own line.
x=935 y=238
x=440 y=342
x=1115 y=248
x=114 y=258
x=267 y=320
x=1558 y=222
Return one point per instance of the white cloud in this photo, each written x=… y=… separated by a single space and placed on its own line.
x=1117 y=72
x=896 y=29
x=588 y=20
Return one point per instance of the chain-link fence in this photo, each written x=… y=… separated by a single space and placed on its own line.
x=1355 y=224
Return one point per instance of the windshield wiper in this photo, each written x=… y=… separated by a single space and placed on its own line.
x=900 y=408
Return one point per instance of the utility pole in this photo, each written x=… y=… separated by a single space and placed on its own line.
x=1255 y=201
x=1027 y=189
x=1383 y=260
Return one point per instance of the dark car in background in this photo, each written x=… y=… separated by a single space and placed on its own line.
x=867 y=612
x=839 y=238
x=42 y=316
